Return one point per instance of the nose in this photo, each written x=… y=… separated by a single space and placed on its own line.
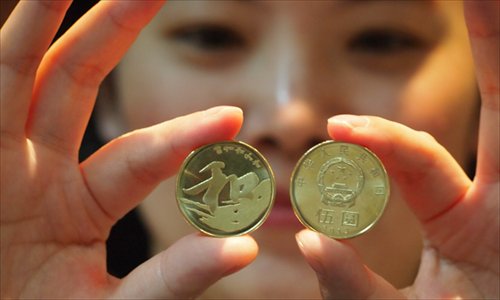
x=286 y=116
x=288 y=129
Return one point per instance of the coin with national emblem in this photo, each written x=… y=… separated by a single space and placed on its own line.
x=339 y=189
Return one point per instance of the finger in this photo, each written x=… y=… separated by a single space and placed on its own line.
x=188 y=267
x=25 y=37
x=341 y=273
x=71 y=72
x=483 y=22
x=128 y=168
x=431 y=181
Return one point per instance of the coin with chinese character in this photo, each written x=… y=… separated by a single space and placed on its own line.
x=225 y=189
x=339 y=189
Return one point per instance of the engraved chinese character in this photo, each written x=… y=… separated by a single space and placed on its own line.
x=379 y=190
x=308 y=163
x=375 y=172
x=324 y=153
x=239 y=150
x=256 y=163
x=218 y=149
x=350 y=218
x=362 y=157
x=248 y=156
x=344 y=149
x=239 y=187
x=300 y=181
x=326 y=216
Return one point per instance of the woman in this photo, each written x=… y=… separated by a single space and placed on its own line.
x=290 y=66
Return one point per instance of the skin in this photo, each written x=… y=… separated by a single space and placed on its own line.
x=296 y=93
x=55 y=230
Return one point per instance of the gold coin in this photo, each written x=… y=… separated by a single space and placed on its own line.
x=339 y=189
x=225 y=189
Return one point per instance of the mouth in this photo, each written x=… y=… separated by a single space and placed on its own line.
x=282 y=215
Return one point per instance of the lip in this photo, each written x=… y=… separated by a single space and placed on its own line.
x=282 y=215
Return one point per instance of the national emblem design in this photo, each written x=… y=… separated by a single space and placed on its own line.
x=340 y=180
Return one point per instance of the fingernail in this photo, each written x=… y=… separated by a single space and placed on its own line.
x=217 y=109
x=351 y=121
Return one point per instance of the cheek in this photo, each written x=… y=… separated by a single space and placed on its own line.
x=445 y=108
x=441 y=97
x=154 y=97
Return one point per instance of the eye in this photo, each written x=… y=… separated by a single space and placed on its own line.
x=384 y=41
x=209 y=37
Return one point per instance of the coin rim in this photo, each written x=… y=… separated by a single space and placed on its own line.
x=296 y=209
x=200 y=149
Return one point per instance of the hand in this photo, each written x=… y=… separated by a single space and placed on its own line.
x=56 y=213
x=460 y=218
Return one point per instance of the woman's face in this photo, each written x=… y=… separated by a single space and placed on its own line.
x=290 y=66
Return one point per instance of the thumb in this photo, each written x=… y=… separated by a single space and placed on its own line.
x=188 y=267
x=341 y=273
